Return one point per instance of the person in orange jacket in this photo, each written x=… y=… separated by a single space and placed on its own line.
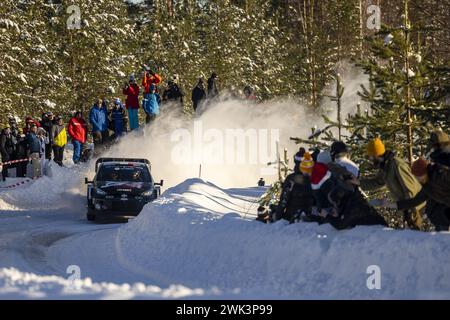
x=150 y=77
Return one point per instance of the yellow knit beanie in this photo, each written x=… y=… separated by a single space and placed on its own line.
x=307 y=164
x=375 y=148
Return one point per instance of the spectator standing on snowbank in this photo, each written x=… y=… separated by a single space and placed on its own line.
x=118 y=118
x=173 y=93
x=78 y=133
x=151 y=108
x=47 y=122
x=58 y=140
x=150 y=78
x=7 y=149
x=198 y=95
x=45 y=140
x=131 y=90
x=212 y=86
x=98 y=118
x=34 y=151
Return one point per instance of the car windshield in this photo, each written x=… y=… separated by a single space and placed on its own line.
x=124 y=173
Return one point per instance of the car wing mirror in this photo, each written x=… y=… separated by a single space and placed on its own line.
x=86 y=181
x=161 y=183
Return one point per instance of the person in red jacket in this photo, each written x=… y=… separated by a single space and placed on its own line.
x=150 y=77
x=131 y=90
x=78 y=132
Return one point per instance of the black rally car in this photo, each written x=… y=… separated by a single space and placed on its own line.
x=121 y=187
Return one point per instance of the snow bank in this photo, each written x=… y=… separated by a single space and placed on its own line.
x=15 y=284
x=63 y=191
x=201 y=236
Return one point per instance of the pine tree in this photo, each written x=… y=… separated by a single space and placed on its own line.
x=401 y=75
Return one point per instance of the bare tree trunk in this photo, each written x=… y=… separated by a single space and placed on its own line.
x=409 y=136
x=170 y=8
x=361 y=30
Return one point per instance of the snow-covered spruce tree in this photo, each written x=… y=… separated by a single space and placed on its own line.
x=29 y=74
x=401 y=75
x=322 y=34
x=9 y=64
x=242 y=44
x=97 y=55
x=172 y=42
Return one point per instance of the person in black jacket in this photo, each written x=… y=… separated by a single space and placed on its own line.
x=296 y=196
x=435 y=180
x=47 y=122
x=13 y=126
x=298 y=157
x=212 y=87
x=7 y=149
x=173 y=93
x=351 y=209
x=21 y=153
x=198 y=94
x=440 y=147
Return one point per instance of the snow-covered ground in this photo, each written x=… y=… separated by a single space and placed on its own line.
x=201 y=241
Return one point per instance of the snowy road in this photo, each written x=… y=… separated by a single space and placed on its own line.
x=200 y=241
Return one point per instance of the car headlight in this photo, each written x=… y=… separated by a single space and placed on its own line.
x=100 y=192
x=147 y=193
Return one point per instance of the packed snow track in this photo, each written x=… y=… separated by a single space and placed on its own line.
x=201 y=241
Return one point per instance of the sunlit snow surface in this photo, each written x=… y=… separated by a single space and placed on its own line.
x=201 y=241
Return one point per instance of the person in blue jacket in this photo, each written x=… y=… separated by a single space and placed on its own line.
x=34 y=151
x=151 y=107
x=118 y=118
x=98 y=117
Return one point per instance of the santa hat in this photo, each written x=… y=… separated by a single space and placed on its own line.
x=319 y=175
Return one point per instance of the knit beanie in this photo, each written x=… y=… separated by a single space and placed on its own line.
x=324 y=157
x=375 y=148
x=420 y=167
x=307 y=164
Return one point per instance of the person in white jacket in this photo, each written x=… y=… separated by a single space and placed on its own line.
x=339 y=154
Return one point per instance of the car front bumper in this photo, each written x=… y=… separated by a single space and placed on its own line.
x=119 y=207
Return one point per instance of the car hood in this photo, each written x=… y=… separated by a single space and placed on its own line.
x=124 y=187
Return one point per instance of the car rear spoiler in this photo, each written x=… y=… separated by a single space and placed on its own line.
x=102 y=160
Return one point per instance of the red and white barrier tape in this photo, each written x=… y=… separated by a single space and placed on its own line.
x=14 y=161
x=19 y=183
